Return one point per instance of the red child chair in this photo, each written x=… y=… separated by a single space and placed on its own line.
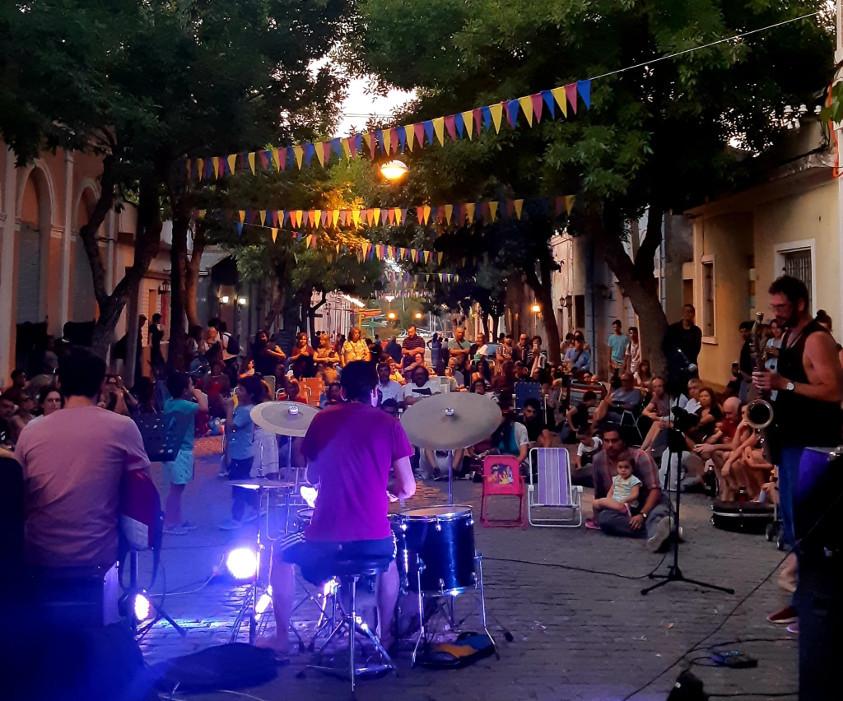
x=502 y=477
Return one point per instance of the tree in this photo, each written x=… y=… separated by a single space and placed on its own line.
x=662 y=137
x=159 y=81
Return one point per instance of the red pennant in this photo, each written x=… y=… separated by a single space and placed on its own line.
x=477 y=113
x=420 y=215
x=419 y=130
x=451 y=126
x=326 y=151
x=571 y=94
x=352 y=145
x=373 y=143
x=538 y=103
x=390 y=216
x=393 y=140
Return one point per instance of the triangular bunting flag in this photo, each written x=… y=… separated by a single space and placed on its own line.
x=468 y=122
x=479 y=114
x=493 y=211
x=309 y=151
x=549 y=102
x=497 y=114
x=401 y=135
x=376 y=214
x=538 y=105
x=231 y=161
x=335 y=217
x=584 y=89
x=451 y=127
x=439 y=129
x=241 y=215
x=569 y=203
x=419 y=131
x=561 y=100
x=398 y=216
x=239 y=227
x=251 y=158
x=387 y=140
x=459 y=123
x=469 y=211
x=518 y=205
x=449 y=211
x=426 y=210
x=420 y=215
x=390 y=216
x=355 y=217
x=346 y=146
x=428 y=131
x=299 y=154
x=274 y=234
x=426 y=255
x=439 y=257
x=409 y=135
x=527 y=108
x=571 y=95
x=512 y=113
x=320 y=152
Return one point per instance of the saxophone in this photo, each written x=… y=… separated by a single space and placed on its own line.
x=759 y=411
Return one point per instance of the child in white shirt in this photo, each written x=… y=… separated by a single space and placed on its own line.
x=624 y=493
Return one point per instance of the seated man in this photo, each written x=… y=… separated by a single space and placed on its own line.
x=350 y=450
x=721 y=443
x=650 y=520
x=73 y=461
x=510 y=438
x=537 y=430
x=577 y=357
x=623 y=397
x=658 y=412
x=419 y=387
x=387 y=388
x=578 y=416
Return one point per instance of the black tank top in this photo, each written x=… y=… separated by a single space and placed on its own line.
x=801 y=421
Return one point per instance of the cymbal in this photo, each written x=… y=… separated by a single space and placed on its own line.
x=259 y=483
x=451 y=421
x=283 y=418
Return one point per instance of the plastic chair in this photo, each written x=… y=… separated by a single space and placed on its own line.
x=550 y=488
x=502 y=477
x=312 y=389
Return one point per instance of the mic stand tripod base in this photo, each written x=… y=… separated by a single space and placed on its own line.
x=674 y=574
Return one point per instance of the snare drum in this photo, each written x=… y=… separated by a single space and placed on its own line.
x=436 y=549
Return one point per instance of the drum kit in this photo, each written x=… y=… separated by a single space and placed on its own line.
x=436 y=555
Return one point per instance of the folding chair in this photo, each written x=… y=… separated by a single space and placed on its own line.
x=502 y=477
x=312 y=389
x=550 y=488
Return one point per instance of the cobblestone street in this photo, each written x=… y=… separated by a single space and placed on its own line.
x=577 y=635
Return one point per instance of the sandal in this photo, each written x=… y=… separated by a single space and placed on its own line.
x=591 y=524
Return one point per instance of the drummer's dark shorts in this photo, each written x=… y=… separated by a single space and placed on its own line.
x=316 y=558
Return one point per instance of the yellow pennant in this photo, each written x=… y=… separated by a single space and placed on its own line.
x=355 y=217
x=376 y=213
x=317 y=217
x=261 y=217
x=387 y=140
x=468 y=121
x=426 y=255
x=397 y=216
x=497 y=115
x=518 y=205
x=409 y=132
x=426 y=210
x=299 y=153
x=252 y=162
x=335 y=217
x=274 y=234
x=320 y=152
x=449 y=211
x=299 y=217
x=200 y=168
x=280 y=217
x=439 y=257
x=346 y=149
x=561 y=100
x=232 y=163
x=216 y=162
x=241 y=215
x=439 y=129
x=569 y=203
x=279 y=154
x=493 y=210
x=527 y=107
x=469 y=211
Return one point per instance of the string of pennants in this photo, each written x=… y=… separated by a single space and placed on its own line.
x=467 y=124
x=458 y=214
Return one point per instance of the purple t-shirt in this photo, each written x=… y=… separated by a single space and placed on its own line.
x=353 y=447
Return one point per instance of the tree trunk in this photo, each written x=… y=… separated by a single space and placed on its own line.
x=191 y=276
x=178 y=286
x=542 y=287
x=636 y=277
x=147 y=239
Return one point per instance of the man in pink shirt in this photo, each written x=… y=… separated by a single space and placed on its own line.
x=73 y=461
x=350 y=450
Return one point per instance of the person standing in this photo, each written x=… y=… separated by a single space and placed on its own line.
x=156 y=335
x=180 y=417
x=355 y=348
x=618 y=343
x=807 y=412
x=681 y=345
x=746 y=363
x=435 y=345
x=393 y=349
x=633 y=352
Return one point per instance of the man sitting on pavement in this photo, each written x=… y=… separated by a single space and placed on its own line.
x=537 y=430
x=651 y=519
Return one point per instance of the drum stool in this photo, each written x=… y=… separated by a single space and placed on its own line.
x=349 y=573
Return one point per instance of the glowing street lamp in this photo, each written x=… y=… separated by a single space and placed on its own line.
x=418 y=315
x=536 y=308
x=392 y=316
x=394 y=170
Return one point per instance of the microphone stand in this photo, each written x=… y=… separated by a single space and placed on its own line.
x=675 y=447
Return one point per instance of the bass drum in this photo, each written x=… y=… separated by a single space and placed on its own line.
x=436 y=549
x=742 y=517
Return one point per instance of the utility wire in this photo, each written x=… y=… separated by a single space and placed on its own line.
x=706 y=46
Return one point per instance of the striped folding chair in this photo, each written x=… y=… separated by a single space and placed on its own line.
x=552 y=501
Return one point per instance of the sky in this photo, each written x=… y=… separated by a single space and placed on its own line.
x=360 y=104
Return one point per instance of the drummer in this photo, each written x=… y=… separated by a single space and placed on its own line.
x=350 y=449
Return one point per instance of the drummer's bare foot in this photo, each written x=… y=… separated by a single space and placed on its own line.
x=279 y=645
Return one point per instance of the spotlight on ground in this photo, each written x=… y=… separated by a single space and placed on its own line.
x=242 y=563
x=141 y=607
x=263 y=603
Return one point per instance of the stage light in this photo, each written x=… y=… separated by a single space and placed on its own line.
x=242 y=563
x=392 y=316
x=536 y=308
x=225 y=299
x=418 y=315
x=263 y=603
x=141 y=607
x=242 y=301
x=394 y=170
